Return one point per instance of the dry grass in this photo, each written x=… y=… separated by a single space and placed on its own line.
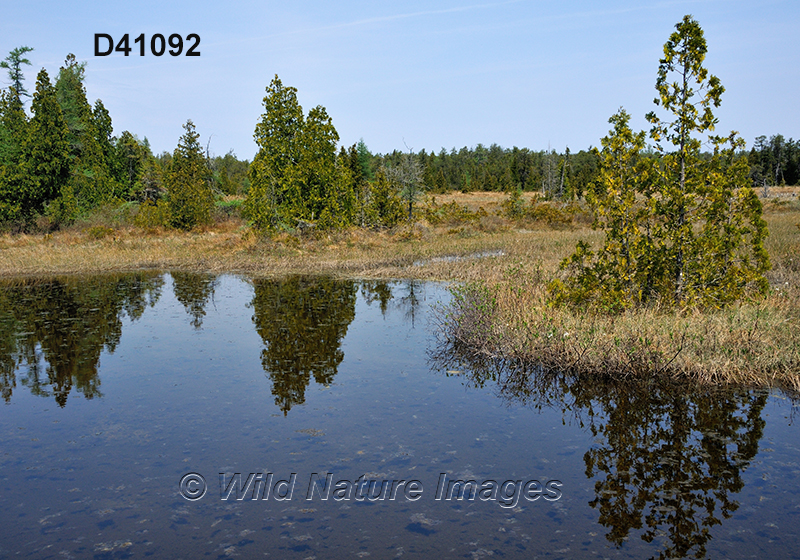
x=504 y=316
x=503 y=313
x=230 y=246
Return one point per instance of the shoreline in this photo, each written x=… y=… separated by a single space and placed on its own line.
x=753 y=343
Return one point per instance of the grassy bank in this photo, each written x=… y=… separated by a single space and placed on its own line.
x=755 y=343
x=230 y=246
x=500 y=312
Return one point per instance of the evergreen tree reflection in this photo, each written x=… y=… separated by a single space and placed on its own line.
x=671 y=460
x=668 y=458
x=302 y=322
x=377 y=291
x=53 y=332
x=193 y=291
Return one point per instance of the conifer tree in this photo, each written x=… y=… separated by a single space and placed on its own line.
x=90 y=173
x=13 y=131
x=684 y=229
x=274 y=177
x=45 y=151
x=712 y=232
x=387 y=206
x=294 y=176
x=13 y=63
x=191 y=199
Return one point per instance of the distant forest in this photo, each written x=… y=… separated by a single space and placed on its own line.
x=60 y=159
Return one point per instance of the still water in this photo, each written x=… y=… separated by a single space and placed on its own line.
x=193 y=416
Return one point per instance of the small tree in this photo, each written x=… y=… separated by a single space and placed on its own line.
x=13 y=63
x=620 y=274
x=386 y=205
x=408 y=176
x=191 y=199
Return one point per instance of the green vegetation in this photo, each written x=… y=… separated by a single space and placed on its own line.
x=13 y=63
x=683 y=245
x=190 y=197
x=680 y=228
x=679 y=243
x=294 y=176
x=62 y=164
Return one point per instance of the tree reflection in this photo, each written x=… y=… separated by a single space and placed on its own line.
x=193 y=291
x=53 y=332
x=377 y=290
x=302 y=322
x=671 y=460
x=668 y=458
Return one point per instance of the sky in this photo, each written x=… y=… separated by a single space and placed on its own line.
x=412 y=75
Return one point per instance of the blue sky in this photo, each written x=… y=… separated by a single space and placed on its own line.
x=416 y=74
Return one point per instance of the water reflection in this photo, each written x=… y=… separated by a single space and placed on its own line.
x=302 y=321
x=53 y=332
x=377 y=291
x=193 y=291
x=668 y=457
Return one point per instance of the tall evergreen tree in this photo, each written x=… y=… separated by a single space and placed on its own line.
x=45 y=152
x=191 y=199
x=90 y=167
x=714 y=262
x=274 y=178
x=294 y=175
x=696 y=235
x=13 y=131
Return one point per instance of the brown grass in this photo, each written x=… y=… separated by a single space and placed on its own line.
x=101 y=245
x=505 y=315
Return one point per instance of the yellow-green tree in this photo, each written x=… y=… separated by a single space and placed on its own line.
x=712 y=230
x=681 y=227
x=191 y=198
x=385 y=202
x=621 y=273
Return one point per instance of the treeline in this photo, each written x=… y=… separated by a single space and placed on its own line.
x=775 y=162
x=501 y=169
x=63 y=161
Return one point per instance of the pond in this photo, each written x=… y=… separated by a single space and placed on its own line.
x=185 y=416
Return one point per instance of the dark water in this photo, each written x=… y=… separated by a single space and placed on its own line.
x=115 y=388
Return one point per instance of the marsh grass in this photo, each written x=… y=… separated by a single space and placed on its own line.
x=506 y=317
x=499 y=311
